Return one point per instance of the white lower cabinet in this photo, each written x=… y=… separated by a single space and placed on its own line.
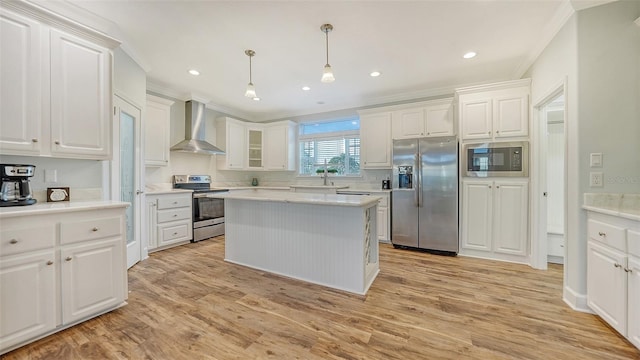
x=169 y=220
x=57 y=269
x=27 y=295
x=613 y=272
x=384 y=220
x=495 y=219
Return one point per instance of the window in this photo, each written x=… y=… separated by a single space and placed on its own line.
x=337 y=143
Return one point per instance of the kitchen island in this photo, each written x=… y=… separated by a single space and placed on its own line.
x=325 y=239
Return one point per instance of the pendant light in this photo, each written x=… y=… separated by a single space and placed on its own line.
x=327 y=73
x=251 y=90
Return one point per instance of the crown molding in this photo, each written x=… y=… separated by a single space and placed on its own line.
x=54 y=19
x=494 y=86
x=560 y=18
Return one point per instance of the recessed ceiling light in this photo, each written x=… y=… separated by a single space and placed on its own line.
x=375 y=73
x=256 y=98
x=469 y=55
x=194 y=72
x=306 y=88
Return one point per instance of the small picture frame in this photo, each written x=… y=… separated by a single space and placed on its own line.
x=58 y=194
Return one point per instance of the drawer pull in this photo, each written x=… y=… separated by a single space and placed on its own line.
x=69 y=258
x=34 y=140
x=175 y=233
x=175 y=215
x=175 y=203
x=94 y=229
x=49 y=262
x=57 y=142
x=628 y=270
x=13 y=241
x=602 y=234
x=617 y=265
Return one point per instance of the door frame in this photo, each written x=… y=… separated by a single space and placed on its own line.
x=539 y=248
x=139 y=181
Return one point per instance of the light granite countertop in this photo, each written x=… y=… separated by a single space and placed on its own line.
x=54 y=207
x=300 y=198
x=622 y=205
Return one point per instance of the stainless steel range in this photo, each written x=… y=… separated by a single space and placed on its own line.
x=208 y=213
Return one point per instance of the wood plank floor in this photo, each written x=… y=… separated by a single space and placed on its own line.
x=187 y=303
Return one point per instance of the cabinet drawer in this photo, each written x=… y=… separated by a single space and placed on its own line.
x=174 y=215
x=22 y=240
x=71 y=232
x=172 y=202
x=633 y=242
x=608 y=234
x=170 y=233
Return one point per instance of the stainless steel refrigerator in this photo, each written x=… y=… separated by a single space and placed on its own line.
x=425 y=194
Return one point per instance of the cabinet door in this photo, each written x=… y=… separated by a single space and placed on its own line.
x=475 y=119
x=511 y=114
x=383 y=223
x=375 y=141
x=633 y=315
x=92 y=278
x=278 y=148
x=152 y=222
x=476 y=215
x=254 y=148
x=439 y=120
x=607 y=285
x=236 y=140
x=510 y=215
x=28 y=297
x=156 y=132
x=20 y=79
x=80 y=98
x=408 y=124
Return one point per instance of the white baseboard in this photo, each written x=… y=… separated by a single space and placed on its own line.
x=576 y=301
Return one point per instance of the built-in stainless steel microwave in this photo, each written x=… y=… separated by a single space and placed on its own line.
x=496 y=159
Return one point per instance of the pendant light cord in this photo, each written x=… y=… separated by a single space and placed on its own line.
x=326 y=35
x=250 y=81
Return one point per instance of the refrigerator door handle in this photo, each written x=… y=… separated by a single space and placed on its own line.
x=417 y=179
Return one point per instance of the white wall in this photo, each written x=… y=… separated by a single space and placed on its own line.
x=597 y=52
x=129 y=79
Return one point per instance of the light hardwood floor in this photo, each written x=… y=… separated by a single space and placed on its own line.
x=187 y=303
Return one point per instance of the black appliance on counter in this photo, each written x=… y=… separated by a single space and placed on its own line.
x=208 y=213
x=15 y=189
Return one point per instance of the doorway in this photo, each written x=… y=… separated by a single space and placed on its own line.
x=550 y=199
x=126 y=172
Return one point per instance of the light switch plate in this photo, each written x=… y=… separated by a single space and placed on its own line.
x=595 y=160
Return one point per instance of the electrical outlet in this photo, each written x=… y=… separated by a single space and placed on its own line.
x=596 y=179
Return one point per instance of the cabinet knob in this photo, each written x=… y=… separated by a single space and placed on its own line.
x=175 y=233
x=138 y=192
x=497 y=131
x=34 y=140
x=497 y=186
x=69 y=258
x=175 y=215
x=489 y=132
x=49 y=262
x=175 y=203
x=617 y=265
x=489 y=186
x=602 y=234
x=13 y=241
x=94 y=229
x=57 y=142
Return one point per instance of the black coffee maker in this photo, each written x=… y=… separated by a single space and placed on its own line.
x=15 y=189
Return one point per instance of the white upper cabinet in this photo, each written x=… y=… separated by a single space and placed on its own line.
x=80 y=98
x=157 y=123
x=231 y=136
x=439 y=118
x=375 y=142
x=408 y=123
x=56 y=90
x=254 y=147
x=20 y=79
x=429 y=119
x=495 y=111
x=280 y=146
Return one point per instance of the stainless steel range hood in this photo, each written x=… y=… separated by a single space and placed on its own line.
x=194 y=132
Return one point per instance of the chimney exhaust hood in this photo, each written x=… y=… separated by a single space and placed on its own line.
x=195 y=132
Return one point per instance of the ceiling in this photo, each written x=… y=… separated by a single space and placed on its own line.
x=416 y=45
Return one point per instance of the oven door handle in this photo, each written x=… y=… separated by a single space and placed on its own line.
x=200 y=195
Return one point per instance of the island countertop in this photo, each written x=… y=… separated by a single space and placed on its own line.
x=299 y=198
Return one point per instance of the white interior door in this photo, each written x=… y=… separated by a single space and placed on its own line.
x=126 y=172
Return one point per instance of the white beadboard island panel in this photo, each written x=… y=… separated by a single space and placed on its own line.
x=325 y=244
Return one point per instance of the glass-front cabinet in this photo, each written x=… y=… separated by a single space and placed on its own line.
x=254 y=143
